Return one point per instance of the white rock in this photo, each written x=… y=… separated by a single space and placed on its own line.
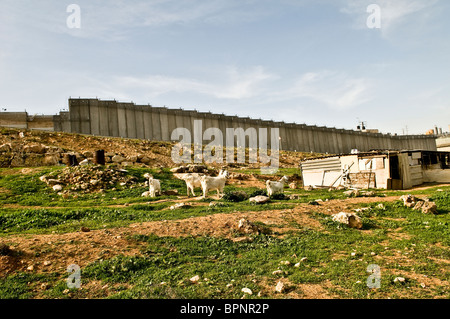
x=285 y=262
x=57 y=188
x=195 y=279
x=84 y=162
x=399 y=279
x=279 y=287
x=247 y=291
x=277 y=272
x=259 y=199
x=350 y=219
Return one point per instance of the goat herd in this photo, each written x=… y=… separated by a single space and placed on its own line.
x=208 y=183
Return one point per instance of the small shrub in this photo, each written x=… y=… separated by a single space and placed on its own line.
x=235 y=196
x=259 y=192
x=279 y=196
x=5 y=250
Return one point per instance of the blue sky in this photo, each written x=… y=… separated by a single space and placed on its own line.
x=304 y=61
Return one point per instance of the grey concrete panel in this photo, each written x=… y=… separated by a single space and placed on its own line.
x=139 y=116
x=122 y=119
x=94 y=116
x=131 y=120
x=103 y=117
x=147 y=118
x=164 y=120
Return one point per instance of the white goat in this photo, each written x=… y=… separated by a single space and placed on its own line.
x=276 y=187
x=192 y=181
x=210 y=183
x=154 y=185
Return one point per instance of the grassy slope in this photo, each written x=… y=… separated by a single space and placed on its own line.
x=404 y=242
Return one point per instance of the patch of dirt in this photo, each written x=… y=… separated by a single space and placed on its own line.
x=82 y=248
x=296 y=291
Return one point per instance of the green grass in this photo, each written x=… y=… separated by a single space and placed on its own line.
x=403 y=242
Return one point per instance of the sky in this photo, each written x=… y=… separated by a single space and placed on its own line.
x=315 y=62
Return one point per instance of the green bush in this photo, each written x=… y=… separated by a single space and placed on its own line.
x=235 y=196
x=259 y=192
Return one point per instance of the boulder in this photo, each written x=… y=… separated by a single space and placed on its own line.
x=352 y=193
x=259 y=199
x=247 y=227
x=50 y=160
x=279 y=287
x=5 y=148
x=350 y=219
x=118 y=159
x=409 y=200
x=57 y=188
x=426 y=206
x=145 y=159
x=35 y=148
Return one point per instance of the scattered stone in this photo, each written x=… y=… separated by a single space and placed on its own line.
x=30 y=268
x=277 y=272
x=279 y=287
x=57 y=188
x=195 y=279
x=426 y=206
x=352 y=193
x=399 y=279
x=381 y=206
x=85 y=162
x=247 y=227
x=415 y=203
x=259 y=199
x=217 y=204
x=285 y=262
x=293 y=185
x=409 y=200
x=180 y=205
x=85 y=229
x=118 y=159
x=369 y=194
x=247 y=291
x=5 y=148
x=350 y=219
x=47 y=262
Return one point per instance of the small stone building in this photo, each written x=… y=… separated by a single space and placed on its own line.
x=377 y=169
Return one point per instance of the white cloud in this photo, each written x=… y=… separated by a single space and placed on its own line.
x=336 y=90
x=234 y=84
